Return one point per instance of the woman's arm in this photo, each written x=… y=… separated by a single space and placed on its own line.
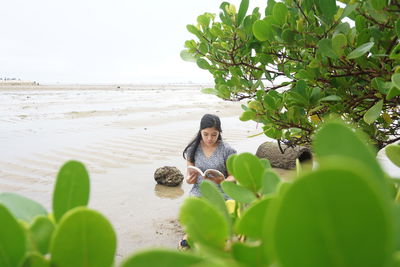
x=191 y=177
x=230 y=178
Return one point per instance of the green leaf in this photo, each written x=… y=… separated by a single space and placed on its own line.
x=21 y=207
x=71 y=189
x=161 y=257
x=280 y=13
x=379 y=4
x=328 y=8
x=84 y=238
x=187 y=56
x=270 y=182
x=249 y=255
x=393 y=92
x=204 y=223
x=203 y=20
x=325 y=48
x=339 y=41
x=211 y=91
x=34 y=259
x=331 y=98
x=395 y=54
x=288 y=36
x=12 y=239
x=192 y=29
x=351 y=145
x=396 y=80
x=41 y=231
x=373 y=113
x=203 y=64
x=247 y=115
x=238 y=192
x=230 y=162
x=398 y=28
x=249 y=171
x=252 y=221
x=361 y=50
x=393 y=153
x=244 y=5
x=334 y=217
x=263 y=31
x=211 y=193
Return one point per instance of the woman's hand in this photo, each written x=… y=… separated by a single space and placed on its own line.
x=191 y=178
x=216 y=179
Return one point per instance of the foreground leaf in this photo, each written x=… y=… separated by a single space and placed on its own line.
x=361 y=50
x=160 y=257
x=238 y=192
x=22 y=208
x=334 y=217
x=204 y=223
x=12 y=239
x=84 y=238
x=71 y=189
x=41 y=231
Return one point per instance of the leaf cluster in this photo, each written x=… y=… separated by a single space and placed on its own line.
x=299 y=63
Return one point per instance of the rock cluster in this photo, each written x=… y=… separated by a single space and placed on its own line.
x=168 y=175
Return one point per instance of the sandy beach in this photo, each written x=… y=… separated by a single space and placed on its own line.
x=122 y=134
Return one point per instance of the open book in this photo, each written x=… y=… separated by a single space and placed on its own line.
x=209 y=173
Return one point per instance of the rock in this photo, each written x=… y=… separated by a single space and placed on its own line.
x=169 y=176
x=287 y=160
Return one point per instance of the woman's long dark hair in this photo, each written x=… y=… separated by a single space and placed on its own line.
x=207 y=121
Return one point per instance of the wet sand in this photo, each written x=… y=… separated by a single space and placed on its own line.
x=122 y=135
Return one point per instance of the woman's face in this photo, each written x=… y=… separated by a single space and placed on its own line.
x=209 y=135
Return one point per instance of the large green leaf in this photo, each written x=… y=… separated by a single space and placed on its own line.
x=248 y=171
x=41 y=231
x=270 y=182
x=249 y=255
x=12 y=239
x=252 y=221
x=373 y=113
x=84 y=238
x=161 y=257
x=334 y=217
x=34 y=259
x=203 y=64
x=187 y=56
x=71 y=189
x=328 y=8
x=379 y=4
x=398 y=28
x=280 y=13
x=263 y=31
x=244 y=5
x=335 y=139
x=238 y=192
x=211 y=193
x=361 y=50
x=204 y=223
x=393 y=153
x=396 y=80
x=21 y=207
x=393 y=92
x=339 y=41
x=325 y=48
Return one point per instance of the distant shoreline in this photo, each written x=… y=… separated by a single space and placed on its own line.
x=157 y=86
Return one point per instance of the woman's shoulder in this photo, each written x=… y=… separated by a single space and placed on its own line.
x=226 y=147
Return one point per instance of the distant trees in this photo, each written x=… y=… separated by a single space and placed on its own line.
x=299 y=63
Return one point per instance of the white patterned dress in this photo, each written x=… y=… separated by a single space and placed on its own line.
x=217 y=161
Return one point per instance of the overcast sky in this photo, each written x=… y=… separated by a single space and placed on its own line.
x=101 y=41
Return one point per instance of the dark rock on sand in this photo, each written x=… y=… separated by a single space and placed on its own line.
x=287 y=160
x=169 y=176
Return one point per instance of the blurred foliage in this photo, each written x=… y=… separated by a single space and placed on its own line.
x=345 y=212
x=300 y=62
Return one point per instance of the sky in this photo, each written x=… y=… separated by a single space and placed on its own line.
x=101 y=41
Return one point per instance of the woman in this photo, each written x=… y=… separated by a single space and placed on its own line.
x=207 y=151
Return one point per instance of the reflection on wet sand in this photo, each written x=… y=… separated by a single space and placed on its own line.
x=163 y=191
